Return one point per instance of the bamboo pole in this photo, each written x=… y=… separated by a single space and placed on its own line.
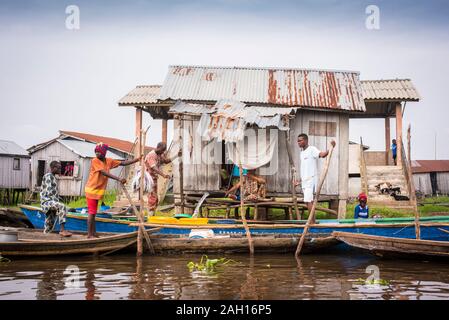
x=315 y=202
x=293 y=170
x=242 y=213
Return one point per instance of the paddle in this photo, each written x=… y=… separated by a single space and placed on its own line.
x=315 y=201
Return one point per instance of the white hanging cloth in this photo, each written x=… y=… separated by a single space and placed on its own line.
x=254 y=153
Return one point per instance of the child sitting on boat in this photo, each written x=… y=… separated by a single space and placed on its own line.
x=361 y=210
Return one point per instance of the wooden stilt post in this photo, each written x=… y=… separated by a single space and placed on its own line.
x=412 y=184
x=293 y=171
x=387 y=140
x=164 y=131
x=399 y=133
x=181 y=165
x=142 y=204
x=242 y=213
x=315 y=202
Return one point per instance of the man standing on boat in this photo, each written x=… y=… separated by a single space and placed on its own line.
x=98 y=180
x=309 y=168
x=50 y=203
x=153 y=161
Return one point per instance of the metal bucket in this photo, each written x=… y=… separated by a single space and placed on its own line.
x=8 y=235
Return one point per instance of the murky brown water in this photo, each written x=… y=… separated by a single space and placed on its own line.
x=263 y=277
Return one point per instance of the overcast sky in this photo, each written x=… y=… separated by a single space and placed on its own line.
x=53 y=78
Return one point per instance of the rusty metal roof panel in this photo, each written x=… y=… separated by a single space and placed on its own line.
x=396 y=89
x=339 y=90
x=426 y=166
x=141 y=95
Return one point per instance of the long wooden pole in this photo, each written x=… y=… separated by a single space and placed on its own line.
x=412 y=185
x=315 y=202
x=139 y=214
x=242 y=213
x=141 y=222
x=293 y=171
x=181 y=165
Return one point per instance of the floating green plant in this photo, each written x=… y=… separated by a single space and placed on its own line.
x=381 y=282
x=208 y=265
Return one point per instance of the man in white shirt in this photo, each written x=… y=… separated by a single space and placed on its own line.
x=309 y=168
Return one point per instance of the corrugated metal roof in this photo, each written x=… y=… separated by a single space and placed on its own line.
x=238 y=110
x=191 y=108
x=426 y=166
x=340 y=90
x=11 y=148
x=141 y=95
x=397 y=89
x=85 y=149
x=228 y=119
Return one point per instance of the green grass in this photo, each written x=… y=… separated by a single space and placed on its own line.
x=429 y=206
x=108 y=200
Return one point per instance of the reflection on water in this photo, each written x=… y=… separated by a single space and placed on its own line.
x=260 y=277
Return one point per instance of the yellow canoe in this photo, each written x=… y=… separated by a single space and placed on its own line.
x=183 y=221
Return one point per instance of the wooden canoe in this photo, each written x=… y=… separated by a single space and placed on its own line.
x=390 y=246
x=32 y=242
x=239 y=243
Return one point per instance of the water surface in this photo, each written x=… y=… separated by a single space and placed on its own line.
x=330 y=276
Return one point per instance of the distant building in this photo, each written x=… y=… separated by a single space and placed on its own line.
x=431 y=176
x=75 y=151
x=14 y=166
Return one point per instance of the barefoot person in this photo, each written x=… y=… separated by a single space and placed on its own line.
x=98 y=180
x=50 y=203
x=153 y=161
x=309 y=168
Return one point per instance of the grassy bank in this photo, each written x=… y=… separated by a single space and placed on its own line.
x=428 y=207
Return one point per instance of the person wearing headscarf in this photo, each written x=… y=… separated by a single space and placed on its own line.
x=361 y=210
x=99 y=175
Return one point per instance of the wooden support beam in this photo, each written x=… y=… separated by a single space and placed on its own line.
x=138 y=128
x=164 y=130
x=399 y=133
x=387 y=140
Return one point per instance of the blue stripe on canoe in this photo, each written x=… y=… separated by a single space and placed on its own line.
x=79 y=223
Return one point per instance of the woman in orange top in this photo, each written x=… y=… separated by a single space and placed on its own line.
x=98 y=180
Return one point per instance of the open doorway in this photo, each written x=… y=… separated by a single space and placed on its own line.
x=40 y=171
